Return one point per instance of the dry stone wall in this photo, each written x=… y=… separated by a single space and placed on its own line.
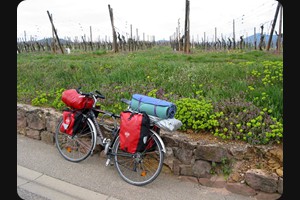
x=193 y=160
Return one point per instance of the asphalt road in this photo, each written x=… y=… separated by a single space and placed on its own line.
x=42 y=172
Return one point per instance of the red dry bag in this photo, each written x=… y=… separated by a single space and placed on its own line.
x=75 y=100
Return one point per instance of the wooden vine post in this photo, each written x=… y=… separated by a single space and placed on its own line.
x=187 y=27
x=261 y=41
x=280 y=34
x=273 y=25
x=91 y=42
x=54 y=30
x=115 y=44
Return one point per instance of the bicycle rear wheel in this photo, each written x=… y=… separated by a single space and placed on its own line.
x=140 y=168
x=78 y=147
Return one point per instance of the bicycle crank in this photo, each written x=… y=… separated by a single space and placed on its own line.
x=107 y=144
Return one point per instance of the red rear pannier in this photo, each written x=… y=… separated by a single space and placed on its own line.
x=75 y=100
x=134 y=131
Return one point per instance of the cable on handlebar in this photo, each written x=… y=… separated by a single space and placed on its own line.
x=100 y=95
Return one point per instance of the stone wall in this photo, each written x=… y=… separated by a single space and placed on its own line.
x=193 y=160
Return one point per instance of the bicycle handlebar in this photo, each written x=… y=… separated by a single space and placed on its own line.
x=126 y=101
x=97 y=94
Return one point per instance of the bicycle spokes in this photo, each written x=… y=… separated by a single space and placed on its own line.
x=77 y=147
x=140 y=168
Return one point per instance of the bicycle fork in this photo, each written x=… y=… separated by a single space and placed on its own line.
x=99 y=139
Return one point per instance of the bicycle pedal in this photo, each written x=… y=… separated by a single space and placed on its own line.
x=107 y=162
x=107 y=144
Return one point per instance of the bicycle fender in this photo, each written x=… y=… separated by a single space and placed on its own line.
x=94 y=132
x=160 y=141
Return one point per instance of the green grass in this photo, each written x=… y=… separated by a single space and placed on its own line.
x=172 y=75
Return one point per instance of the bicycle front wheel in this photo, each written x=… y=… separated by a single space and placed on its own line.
x=77 y=147
x=140 y=168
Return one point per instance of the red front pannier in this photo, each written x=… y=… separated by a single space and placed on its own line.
x=75 y=100
x=72 y=122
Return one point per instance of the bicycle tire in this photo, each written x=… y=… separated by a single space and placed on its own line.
x=140 y=168
x=78 y=147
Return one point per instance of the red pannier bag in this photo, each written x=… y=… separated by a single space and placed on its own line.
x=72 y=122
x=134 y=131
x=75 y=100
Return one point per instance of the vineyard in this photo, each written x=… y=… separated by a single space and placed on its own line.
x=180 y=40
x=229 y=86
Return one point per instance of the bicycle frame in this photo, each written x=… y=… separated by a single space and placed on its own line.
x=99 y=137
x=90 y=116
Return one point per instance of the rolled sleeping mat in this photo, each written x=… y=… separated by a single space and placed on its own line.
x=153 y=106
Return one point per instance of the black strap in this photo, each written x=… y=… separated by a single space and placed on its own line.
x=140 y=101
